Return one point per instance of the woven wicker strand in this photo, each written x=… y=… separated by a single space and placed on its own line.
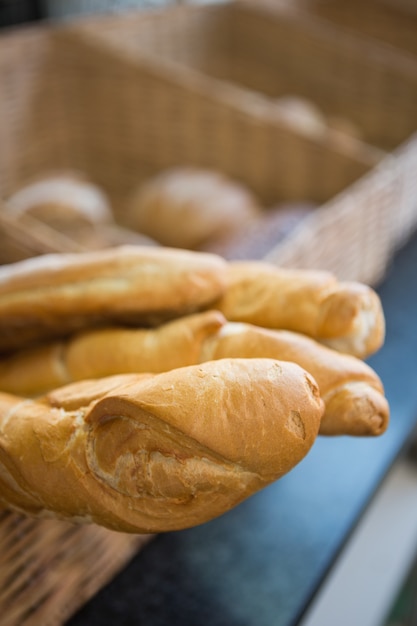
x=389 y=22
x=49 y=569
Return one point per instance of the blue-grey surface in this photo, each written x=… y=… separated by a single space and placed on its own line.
x=260 y=564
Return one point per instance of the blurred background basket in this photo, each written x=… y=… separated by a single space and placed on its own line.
x=389 y=22
x=214 y=76
x=123 y=97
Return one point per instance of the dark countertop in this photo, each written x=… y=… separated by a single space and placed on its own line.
x=260 y=564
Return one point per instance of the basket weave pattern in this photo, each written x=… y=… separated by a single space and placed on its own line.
x=48 y=569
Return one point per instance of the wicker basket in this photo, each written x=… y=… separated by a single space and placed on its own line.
x=213 y=73
x=86 y=97
x=390 y=22
x=49 y=569
x=251 y=52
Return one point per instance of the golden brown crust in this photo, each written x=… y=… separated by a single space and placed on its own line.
x=347 y=316
x=351 y=390
x=108 y=351
x=35 y=370
x=355 y=408
x=353 y=320
x=54 y=294
x=95 y=354
x=81 y=394
x=346 y=383
x=158 y=453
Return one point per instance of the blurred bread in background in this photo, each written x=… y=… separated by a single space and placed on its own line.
x=60 y=212
x=183 y=207
x=187 y=207
x=302 y=114
x=65 y=201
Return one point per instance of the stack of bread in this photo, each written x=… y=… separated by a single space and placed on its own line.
x=149 y=389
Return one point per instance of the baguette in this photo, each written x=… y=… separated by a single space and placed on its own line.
x=106 y=352
x=147 y=454
x=53 y=295
x=352 y=391
x=346 y=316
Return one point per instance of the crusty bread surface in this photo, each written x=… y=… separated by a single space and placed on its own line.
x=157 y=453
x=347 y=316
x=352 y=391
x=101 y=352
x=54 y=294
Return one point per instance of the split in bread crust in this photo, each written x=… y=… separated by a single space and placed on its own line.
x=157 y=453
x=52 y=295
x=346 y=316
x=351 y=389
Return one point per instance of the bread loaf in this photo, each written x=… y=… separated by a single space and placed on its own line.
x=65 y=205
x=352 y=391
x=106 y=352
x=157 y=453
x=55 y=294
x=346 y=316
x=186 y=207
x=65 y=201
